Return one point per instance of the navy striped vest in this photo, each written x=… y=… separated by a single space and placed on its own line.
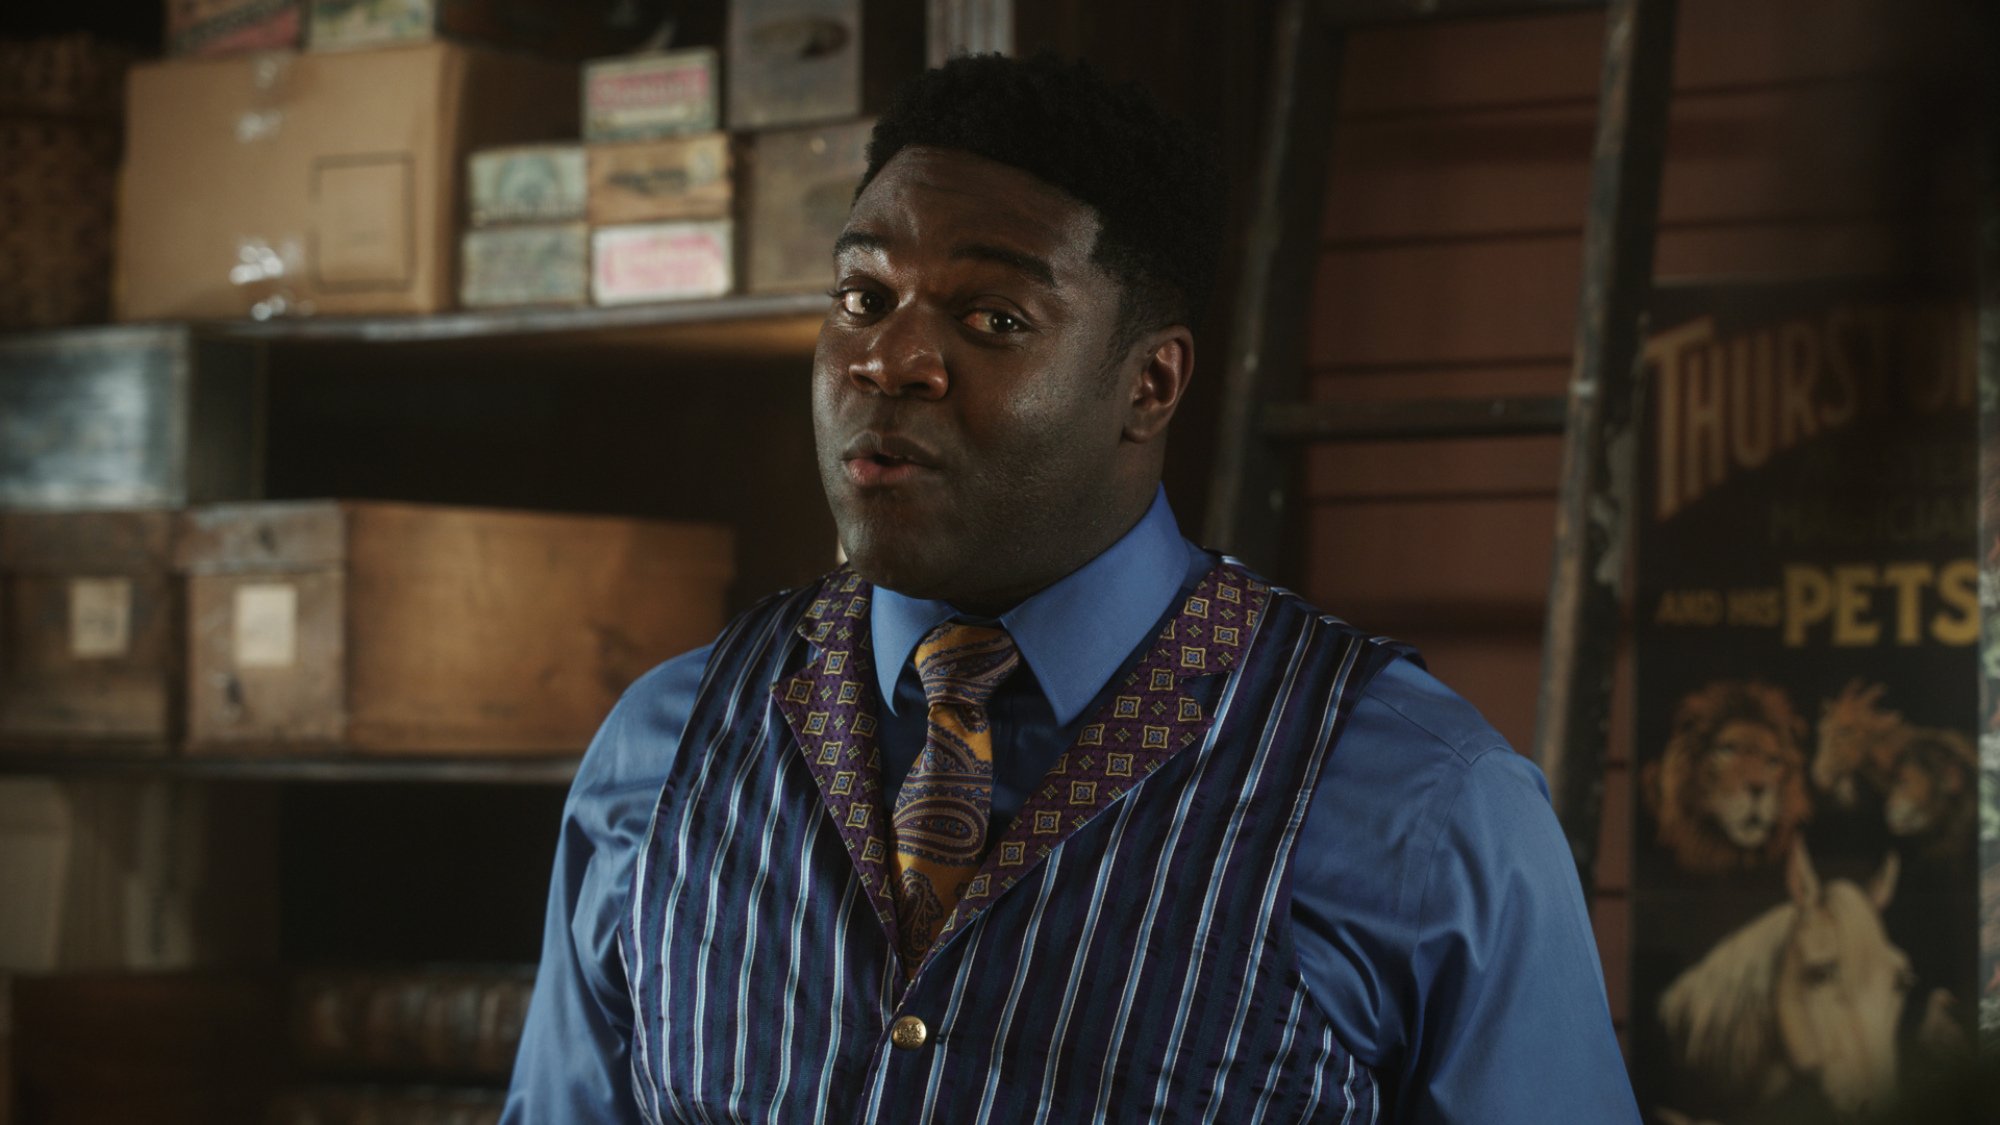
x=1124 y=955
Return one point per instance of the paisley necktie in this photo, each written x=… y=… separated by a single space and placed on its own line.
x=946 y=801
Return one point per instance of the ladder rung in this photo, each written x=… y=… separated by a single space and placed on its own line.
x=1417 y=419
x=1359 y=13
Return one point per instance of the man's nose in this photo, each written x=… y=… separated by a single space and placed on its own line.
x=903 y=357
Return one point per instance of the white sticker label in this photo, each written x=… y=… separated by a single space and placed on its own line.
x=100 y=617
x=267 y=625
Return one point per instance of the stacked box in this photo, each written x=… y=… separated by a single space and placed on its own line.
x=660 y=94
x=643 y=262
x=672 y=178
x=792 y=62
x=221 y=27
x=90 y=630
x=394 y=628
x=530 y=246
x=799 y=185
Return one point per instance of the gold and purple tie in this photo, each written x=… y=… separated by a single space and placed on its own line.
x=946 y=801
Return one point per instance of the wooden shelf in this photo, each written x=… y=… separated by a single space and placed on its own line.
x=550 y=769
x=765 y=325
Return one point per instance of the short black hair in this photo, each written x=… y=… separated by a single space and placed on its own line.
x=1153 y=181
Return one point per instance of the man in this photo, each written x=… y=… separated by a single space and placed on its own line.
x=1038 y=812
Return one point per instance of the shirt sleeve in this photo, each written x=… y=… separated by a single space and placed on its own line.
x=574 y=1062
x=1439 y=925
x=1510 y=1022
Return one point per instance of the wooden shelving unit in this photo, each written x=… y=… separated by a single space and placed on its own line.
x=751 y=326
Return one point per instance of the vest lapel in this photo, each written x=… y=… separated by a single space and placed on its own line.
x=830 y=704
x=1150 y=721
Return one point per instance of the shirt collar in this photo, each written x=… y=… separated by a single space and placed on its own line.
x=1072 y=635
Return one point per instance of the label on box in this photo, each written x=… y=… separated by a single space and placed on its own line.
x=651 y=181
x=630 y=99
x=267 y=625
x=535 y=184
x=100 y=618
x=659 y=262
x=340 y=24
x=532 y=265
x=364 y=232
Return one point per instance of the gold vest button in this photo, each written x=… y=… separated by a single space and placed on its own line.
x=909 y=1033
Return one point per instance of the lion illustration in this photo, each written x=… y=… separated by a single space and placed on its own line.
x=1729 y=792
x=1927 y=777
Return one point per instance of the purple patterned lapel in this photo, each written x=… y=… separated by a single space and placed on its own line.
x=1138 y=731
x=831 y=706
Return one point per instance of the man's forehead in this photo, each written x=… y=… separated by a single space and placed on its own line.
x=970 y=207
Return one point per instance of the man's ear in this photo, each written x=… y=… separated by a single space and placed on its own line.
x=1163 y=364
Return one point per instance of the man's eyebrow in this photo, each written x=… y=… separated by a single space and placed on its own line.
x=858 y=240
x=1034 y=267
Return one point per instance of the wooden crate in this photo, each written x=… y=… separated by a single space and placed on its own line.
x=537 y=264
x=791 y=62
x=660 y=181
x=526 y=184
x=394 y=628
x=641 y=97
x=90 y=630
x=644 y=262
x=800 y=184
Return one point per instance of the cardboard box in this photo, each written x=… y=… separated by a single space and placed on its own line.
x=222 y=27
x=527 y=184
x=527 y=265
x=330 y=184
x=153 y=875
x=657 y=181
x=791 y=62
x=639 y=97
x=660 y=262
x=396 y=628
x=801 y=183
x=90 y=630
x=126 y=416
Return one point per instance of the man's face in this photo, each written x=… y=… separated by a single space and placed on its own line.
x=968 y=413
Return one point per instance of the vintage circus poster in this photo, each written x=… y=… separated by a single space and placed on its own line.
x=1807 y=618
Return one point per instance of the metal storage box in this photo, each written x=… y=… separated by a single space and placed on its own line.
x=142 y=416
x=396 y=628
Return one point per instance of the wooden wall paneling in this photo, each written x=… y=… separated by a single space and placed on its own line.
x=1467 y=468
x=1721 y=43
x=1436 y=562
x=1837 y=150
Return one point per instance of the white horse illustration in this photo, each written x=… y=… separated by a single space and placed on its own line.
x=1813 y=989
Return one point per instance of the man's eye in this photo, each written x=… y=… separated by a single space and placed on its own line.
x=998 y=323
x=858 y=302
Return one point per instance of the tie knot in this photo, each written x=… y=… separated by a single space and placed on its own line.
x=960 y=663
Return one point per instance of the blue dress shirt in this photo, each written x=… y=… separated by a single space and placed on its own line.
x=1436 y=913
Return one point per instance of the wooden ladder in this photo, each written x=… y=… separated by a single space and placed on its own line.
x=1265 y=417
